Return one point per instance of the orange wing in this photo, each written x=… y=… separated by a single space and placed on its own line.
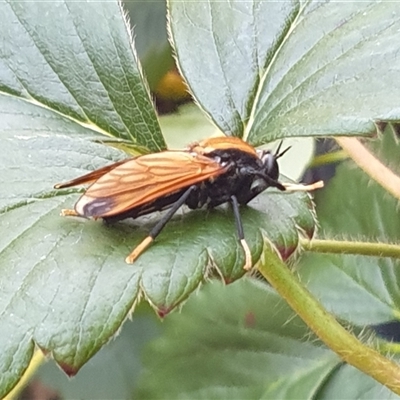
x=91 y=176
x=222 y=143
x=140 y=180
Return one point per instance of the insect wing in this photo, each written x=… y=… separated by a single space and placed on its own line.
x=223 y=143
x=144 y=179
x=91 y=176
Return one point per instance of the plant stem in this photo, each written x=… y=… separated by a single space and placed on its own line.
x=325 y=326
x=35 y=363
x=371 y=165
x=328 y=158
x=350 y=247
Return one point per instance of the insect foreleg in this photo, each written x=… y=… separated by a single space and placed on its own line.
x=293 y=187
x=239 y=226
x=270 y=181
x=158 y=227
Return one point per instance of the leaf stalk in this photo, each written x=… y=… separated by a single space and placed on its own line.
x=325 y=326
x=371 y=165
x=351 y=247
x=36 y=361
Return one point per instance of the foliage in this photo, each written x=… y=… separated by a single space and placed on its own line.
x=271 y=70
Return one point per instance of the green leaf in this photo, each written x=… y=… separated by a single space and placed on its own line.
x=76 y=59
x=114 y=371
x=361 y=290
x=348 y=382
x=65 y=284
x=280 y=69
x=243 y=342
x=151 y=41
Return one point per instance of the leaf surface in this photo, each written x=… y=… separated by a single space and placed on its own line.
x=114 y=371
x=362 y=290
x=151 y=41
x=242 y=341
x=299 y=68
x=65 y=284
x=82 y=66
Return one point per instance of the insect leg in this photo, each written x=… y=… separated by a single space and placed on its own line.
x=270 y=181
x=239 y=226
x=293 y=187
x=138 y=250
x=69 y=213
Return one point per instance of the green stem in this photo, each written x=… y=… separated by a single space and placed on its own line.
x=325 y=326
x=328 y=158
x=371 y=165
x=37 y=359
x=350 y=247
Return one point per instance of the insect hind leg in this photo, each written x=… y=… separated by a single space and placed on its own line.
x=142 y=246
x=239 y=226
x=65 y=212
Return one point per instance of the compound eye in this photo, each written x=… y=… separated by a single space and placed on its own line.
x=268 y=160
x=270 y=165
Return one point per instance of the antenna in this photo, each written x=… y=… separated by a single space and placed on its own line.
x=277 y=154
